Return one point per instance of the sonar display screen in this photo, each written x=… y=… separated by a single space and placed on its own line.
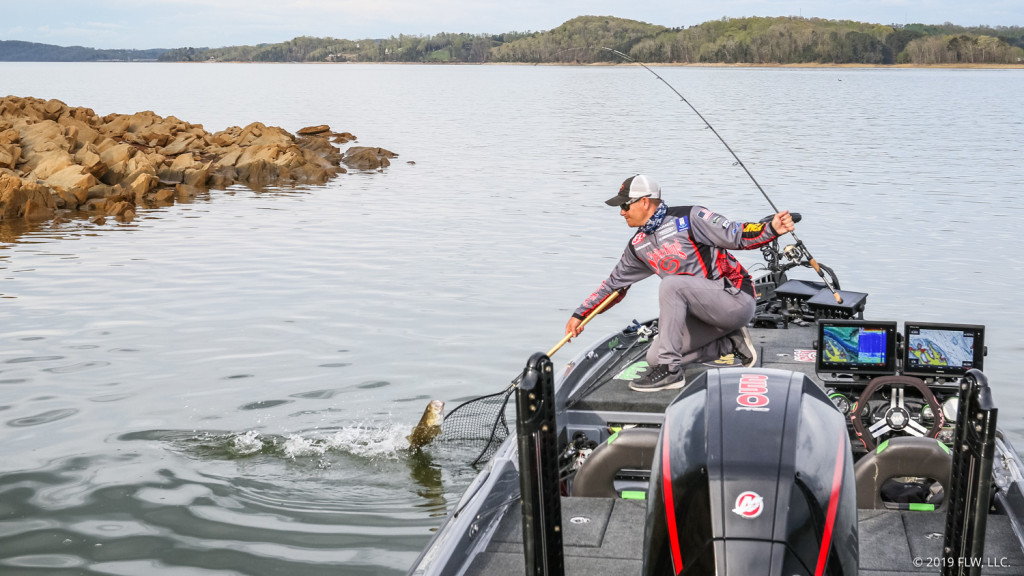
x=861 y=347
x=943 y=349
x=845 y=345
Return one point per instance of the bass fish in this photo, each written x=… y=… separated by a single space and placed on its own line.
x=429 y=426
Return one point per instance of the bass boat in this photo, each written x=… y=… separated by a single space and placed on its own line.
x=849 y=446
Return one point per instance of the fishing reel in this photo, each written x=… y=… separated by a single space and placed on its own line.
x=796 y=253
x=780 y=260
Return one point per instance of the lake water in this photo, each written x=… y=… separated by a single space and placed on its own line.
x=223 y=387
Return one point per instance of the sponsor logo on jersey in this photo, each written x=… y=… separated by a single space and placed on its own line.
x=753 y=227
x=667 y=257
x=666 y=231
x=638 y=238
x=749 y=505
x=683 y=223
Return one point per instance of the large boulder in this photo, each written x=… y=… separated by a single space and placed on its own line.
x=88 y=157
x=311 y=130
x=10 y=146
x=77 y=132
x=75 y=180
x=49 y=163
x=28 y=200
x=175 y=172
x=367 y=158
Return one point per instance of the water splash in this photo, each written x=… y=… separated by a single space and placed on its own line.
x=250 y=442
x=369 y=440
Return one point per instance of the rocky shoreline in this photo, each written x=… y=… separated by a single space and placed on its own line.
x=61 y=160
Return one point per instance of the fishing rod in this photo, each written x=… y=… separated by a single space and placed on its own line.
x=799 y=246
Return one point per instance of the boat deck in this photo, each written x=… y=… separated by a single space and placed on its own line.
x=788 y=349
x=605 y=536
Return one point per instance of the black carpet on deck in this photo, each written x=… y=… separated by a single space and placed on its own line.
x=782 y=349
x=610 y=541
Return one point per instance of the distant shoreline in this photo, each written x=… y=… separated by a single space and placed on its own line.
x=962 y=66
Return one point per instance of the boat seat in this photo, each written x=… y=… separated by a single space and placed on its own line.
x=901 y=456
x=630 y=448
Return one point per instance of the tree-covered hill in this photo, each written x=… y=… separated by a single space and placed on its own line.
x=754 y=40
x=783 y=40
x=17 y=51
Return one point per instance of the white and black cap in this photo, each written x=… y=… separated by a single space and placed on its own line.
x=638 y=186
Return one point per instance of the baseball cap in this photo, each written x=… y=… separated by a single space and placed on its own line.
x=635 y=187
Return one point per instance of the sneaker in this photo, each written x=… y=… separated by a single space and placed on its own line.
x=730 y=360
x=659 y=377
x=744 y=347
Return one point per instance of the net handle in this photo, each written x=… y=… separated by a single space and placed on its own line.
x=600 y=308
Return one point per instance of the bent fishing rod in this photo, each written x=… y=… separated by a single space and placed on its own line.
x=799 y=245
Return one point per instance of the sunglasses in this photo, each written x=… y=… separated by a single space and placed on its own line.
x=625 y=205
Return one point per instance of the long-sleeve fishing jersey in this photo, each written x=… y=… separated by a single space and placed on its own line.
x=691 y=240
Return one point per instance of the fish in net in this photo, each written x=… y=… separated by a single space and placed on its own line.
x=480 y=423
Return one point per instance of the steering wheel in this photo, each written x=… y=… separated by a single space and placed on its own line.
x=897 y=418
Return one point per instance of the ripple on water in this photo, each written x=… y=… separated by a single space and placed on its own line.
x=111 y=397
x=317 y=394
x=78 y=367
x=25 y=359
x=261 y=404
x=42 y=418
x=43 y=561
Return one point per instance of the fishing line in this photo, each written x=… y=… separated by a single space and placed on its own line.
x=799 y=244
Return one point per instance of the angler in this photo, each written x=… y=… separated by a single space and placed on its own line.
x=706 y=297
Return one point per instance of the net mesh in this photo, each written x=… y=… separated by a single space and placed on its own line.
x=480 y=423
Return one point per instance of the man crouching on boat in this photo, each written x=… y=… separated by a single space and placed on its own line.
x=706 y=297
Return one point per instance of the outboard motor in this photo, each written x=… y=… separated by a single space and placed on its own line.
x=753 y=475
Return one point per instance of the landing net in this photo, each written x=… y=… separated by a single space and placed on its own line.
x=480 y=423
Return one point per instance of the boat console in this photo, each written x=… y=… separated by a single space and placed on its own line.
x=891 y=382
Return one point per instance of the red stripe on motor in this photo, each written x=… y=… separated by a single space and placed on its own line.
x=833 y=505
x=670 y=506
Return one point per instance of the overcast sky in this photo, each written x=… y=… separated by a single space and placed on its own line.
x=215 y=23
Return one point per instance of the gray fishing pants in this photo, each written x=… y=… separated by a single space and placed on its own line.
x=695 y=316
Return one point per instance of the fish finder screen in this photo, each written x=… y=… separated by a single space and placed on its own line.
x=857 y=347
x=943 y=349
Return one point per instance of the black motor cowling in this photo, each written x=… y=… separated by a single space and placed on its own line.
x=753 y=475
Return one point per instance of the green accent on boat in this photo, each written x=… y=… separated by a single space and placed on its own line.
x=921 y=507
x=633 y=371
x=613 y=437
x=882 y=447
x=634 y=495
x=944 y=447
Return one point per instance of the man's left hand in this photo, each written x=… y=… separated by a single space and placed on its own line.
x=782 y=223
